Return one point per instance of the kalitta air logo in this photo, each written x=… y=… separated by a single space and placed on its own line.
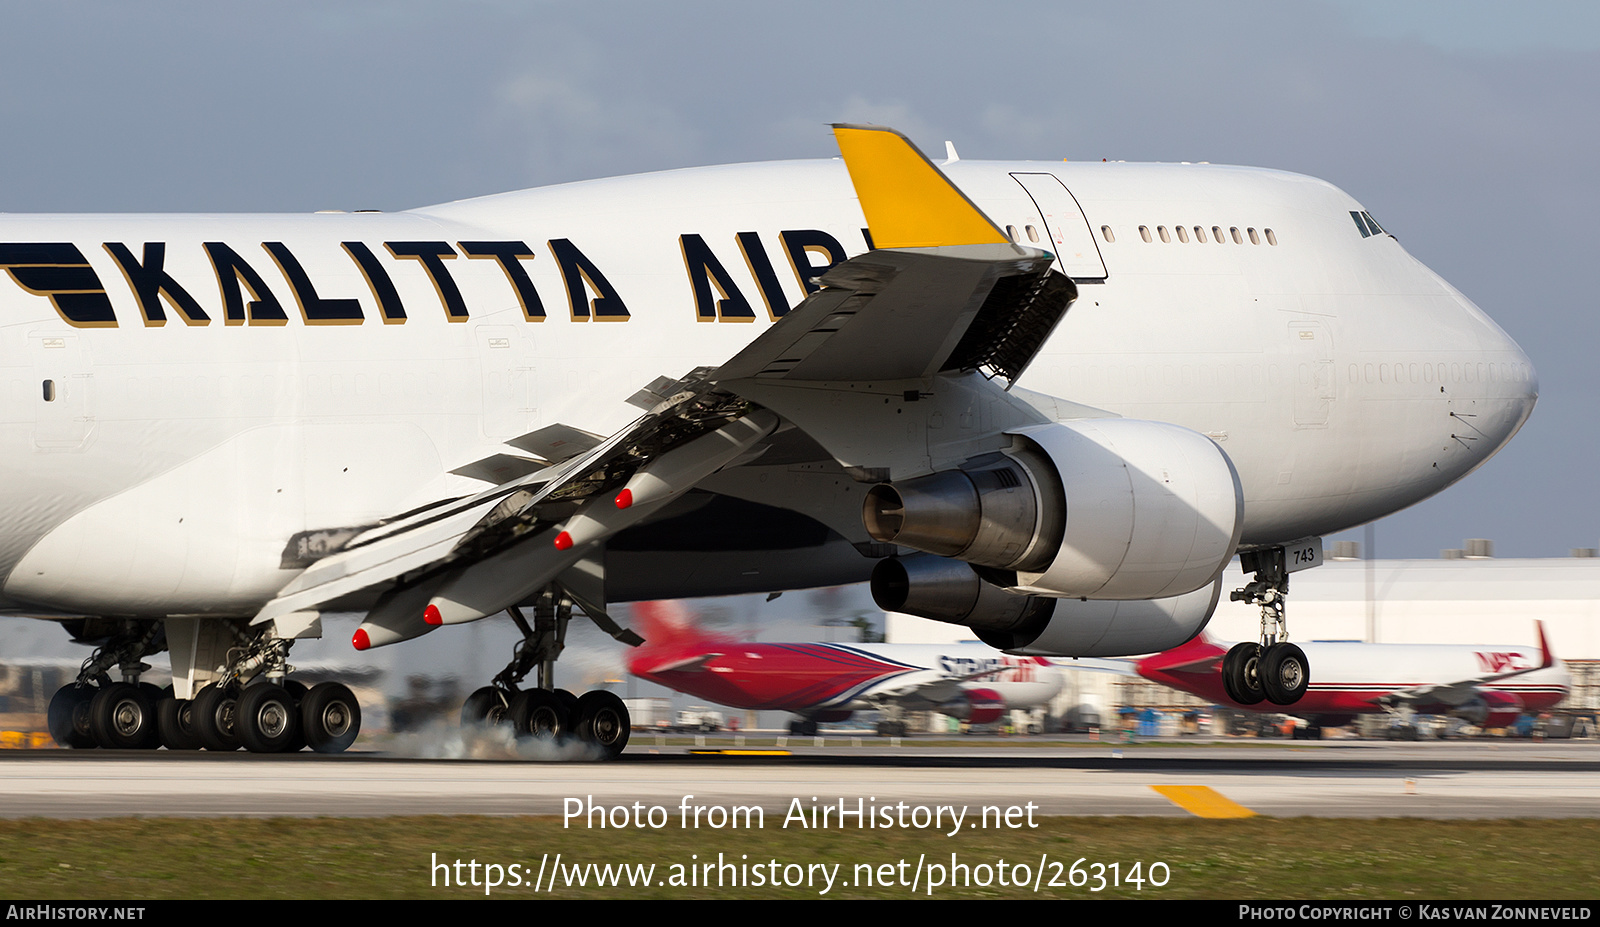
x=267 y=284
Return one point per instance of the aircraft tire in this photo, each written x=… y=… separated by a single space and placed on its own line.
x=122 y=716
x=68 y=717
x=1241 y=676
x=603 y=720
x=214 y=715
x=175 y=723
x=330 y=717
x=266 y=718
x=487 y=707
x=539 y=713
x=1284 y=674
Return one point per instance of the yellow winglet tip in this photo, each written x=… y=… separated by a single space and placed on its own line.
x=908 y=201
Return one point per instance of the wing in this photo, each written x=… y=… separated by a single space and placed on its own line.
x=1463 y=691
x=921 y=687
x=946 y=294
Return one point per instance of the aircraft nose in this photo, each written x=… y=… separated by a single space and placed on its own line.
x=1505 y=379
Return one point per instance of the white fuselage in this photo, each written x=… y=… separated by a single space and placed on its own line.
x=173 y=466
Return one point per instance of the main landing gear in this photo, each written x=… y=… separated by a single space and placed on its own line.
x=93 y=711
x=256 y=706
x=250 y=703
x=597 y=718
x=1272 y=668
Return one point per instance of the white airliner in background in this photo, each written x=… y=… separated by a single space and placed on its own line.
x=1486 y=685
x=1068 y=393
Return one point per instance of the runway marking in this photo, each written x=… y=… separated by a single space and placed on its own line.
x=1202 y=801
x=741 y=753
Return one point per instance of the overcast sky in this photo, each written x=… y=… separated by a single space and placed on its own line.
x=1467 y=128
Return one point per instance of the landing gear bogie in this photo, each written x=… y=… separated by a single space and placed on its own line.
x=543 y=711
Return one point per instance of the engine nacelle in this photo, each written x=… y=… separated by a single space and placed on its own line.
x=1111 y=628
x=1491 y=709
x=1097 y=508
x=976 y=706
x=951 y=591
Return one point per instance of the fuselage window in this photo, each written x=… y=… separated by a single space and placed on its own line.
x=1254 y=238
x=1183 y=235
x=1033 y=234
x=49 y=391
x=1216 y=233
x=1011 y=233
x=1271 y=238
x=1105 y=232
x=1237 y=238
x=1162 y=231
x=1200 y=234
x=1144 y=232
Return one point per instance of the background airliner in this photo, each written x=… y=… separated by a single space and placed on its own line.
x=1486 y=685
x=829 y=681
x=228 y=425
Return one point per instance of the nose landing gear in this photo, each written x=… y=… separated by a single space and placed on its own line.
x=1273 y=668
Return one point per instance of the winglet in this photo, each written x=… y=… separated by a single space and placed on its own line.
x=1544 y=647
x=908 y=202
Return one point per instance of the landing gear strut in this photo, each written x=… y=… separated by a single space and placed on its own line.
x=598 y=717
x=1272 y=668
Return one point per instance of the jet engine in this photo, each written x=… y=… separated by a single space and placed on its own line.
x=1491 y=709
x=1111 y=628
x=1097 y=508
x=951 y=591
x=975 y=706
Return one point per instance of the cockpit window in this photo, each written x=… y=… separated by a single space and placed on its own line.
x=1368 y=225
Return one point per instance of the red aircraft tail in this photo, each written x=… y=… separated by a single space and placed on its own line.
x=667 y=624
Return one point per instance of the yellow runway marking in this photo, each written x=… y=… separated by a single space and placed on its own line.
x=1203 y=802
x=741 y=752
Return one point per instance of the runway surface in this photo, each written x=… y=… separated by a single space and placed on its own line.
x=1331 y=779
